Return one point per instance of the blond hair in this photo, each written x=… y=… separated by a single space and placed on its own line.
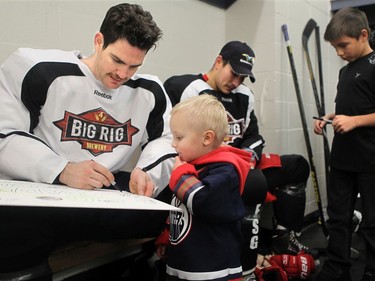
x=205 y=112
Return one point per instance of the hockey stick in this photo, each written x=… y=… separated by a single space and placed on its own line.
x=305 y=131
x=320 y=68
x=309 y=28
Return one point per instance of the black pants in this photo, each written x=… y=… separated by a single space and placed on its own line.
x=342 y=195
x=289 y=208
x=29 y=234
x=294 y=170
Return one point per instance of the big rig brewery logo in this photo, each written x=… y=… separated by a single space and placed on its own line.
x=96 y=131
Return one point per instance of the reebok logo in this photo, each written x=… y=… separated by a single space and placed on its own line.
x=227 y=99
x=103 y=95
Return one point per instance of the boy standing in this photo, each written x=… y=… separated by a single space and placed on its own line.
x=353 y=147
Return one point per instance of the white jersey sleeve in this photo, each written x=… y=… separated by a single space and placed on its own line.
x=23 y=155
x=157 y=156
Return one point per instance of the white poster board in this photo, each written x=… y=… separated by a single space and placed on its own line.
x=22 y=193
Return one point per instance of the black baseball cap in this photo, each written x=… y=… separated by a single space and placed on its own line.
x=240 y=57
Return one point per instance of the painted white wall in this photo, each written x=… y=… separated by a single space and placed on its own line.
x=194 y=33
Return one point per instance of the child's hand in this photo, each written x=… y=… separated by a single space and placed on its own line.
x=161 y=251
x=178 y=162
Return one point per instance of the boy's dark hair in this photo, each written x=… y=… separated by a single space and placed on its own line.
x=132 y=23
x=346 y=22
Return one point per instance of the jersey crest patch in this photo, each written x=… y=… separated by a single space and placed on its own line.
x=180 y=222
x=235 y=127
x=96 y=131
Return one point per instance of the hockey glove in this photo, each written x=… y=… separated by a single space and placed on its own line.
x=300 y=266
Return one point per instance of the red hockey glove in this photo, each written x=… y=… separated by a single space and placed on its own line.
x=300 y=266
x=272 y=272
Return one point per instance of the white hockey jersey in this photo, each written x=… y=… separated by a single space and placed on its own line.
x=53 y=110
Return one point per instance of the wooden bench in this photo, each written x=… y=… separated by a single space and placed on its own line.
x=82 y=256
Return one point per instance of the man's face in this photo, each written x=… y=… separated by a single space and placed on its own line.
x=117 y=63
x=226 y=80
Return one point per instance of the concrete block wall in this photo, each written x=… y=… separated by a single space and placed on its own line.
x=259 y=23
x=194 y=33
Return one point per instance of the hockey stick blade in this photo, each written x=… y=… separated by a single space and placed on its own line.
x=309 y=28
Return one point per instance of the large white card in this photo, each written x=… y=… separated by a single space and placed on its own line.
x=22 y=193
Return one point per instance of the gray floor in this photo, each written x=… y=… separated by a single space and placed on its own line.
x=314 y=237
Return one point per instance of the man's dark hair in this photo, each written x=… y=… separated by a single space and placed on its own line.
x=346 y=22
x=132 y=23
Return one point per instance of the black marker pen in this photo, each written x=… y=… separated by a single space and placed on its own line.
x=115 y=185
x=322 y=119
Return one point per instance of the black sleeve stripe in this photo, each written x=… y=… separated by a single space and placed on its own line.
x=155 y=122
x=157 y=162
x=24 y=134
x=36 y=83
x=176 y=85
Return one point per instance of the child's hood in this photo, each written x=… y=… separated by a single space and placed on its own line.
x=238 y=157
